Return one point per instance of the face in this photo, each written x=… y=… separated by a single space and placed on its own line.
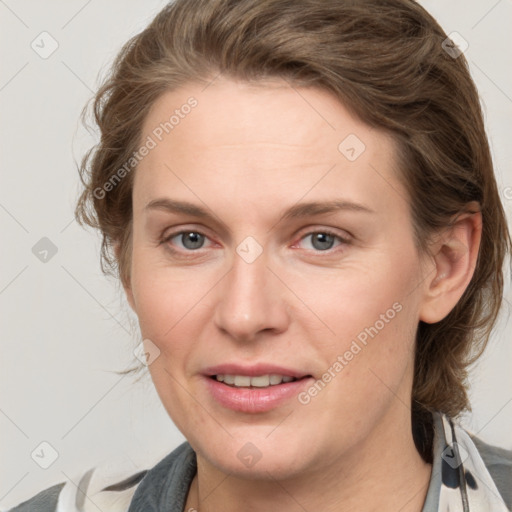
x=275 y=271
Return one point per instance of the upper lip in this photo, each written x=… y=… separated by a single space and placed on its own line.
x=253 y=370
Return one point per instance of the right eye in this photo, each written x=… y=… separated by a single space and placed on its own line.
x=187 y=241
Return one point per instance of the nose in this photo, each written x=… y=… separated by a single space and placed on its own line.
x=251 y=300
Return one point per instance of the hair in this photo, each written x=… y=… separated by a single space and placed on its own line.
x=386 y=61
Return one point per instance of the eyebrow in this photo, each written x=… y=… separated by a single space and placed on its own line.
x=297 y=211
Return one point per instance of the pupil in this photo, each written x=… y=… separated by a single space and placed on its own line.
x=323 y=241
x=192 y=240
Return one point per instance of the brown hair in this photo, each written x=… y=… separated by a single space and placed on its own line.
x=383 y=59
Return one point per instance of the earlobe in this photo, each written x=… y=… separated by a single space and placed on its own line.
x=454 y=255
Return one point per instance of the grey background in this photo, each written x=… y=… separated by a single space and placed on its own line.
x=65 y=327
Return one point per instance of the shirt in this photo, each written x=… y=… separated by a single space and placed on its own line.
x=468 y=475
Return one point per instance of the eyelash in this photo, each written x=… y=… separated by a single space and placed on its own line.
x=342 y=241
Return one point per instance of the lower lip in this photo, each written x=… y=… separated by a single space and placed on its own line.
x=254 y=400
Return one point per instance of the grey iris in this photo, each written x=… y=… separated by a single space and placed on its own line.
x=192 y=240
x=322 y=241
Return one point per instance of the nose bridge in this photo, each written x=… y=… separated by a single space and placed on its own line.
x=250 y=300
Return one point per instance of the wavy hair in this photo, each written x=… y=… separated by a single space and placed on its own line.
x=385 y=60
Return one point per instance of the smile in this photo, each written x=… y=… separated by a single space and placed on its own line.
x=256 y=393
x=259 y=381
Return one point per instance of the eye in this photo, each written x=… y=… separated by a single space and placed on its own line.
x=186 y=240
x=322 y=240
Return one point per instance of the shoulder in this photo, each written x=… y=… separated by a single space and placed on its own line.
x=95 y=489
x=499 y=464
x=44 y=501
x=100 y=489
x=167 y=482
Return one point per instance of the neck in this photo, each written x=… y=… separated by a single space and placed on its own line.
x=383 y=473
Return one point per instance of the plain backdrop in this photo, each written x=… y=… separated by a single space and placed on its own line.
x=65 y=327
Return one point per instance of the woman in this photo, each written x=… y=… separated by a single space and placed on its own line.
x=299 y=200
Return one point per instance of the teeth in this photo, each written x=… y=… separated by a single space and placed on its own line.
x=241 y=381
x=275 y=379
x=229 y=379
x=261 y=381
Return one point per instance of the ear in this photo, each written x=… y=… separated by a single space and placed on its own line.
x=454 y=255
x=126 y=285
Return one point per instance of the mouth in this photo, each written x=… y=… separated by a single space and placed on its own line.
x=257 y=381
x=255 y=389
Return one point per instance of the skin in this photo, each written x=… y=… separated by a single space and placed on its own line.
x=247 y=153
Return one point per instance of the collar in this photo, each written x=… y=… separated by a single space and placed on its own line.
x=460 y=481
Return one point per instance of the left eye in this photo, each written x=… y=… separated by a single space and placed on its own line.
x=321 y=240
x=190 y=240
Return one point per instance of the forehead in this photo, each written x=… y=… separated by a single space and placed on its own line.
x=248 y=139
x=230 y=112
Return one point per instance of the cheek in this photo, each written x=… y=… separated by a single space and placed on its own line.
x=371 y=318
x=168 y=309
x=369 y=361
x=165 y=297
x=360 y=302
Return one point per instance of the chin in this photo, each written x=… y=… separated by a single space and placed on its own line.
x=255 y=455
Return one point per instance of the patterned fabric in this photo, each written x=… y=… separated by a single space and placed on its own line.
x=466 y=482
x=461 y=481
